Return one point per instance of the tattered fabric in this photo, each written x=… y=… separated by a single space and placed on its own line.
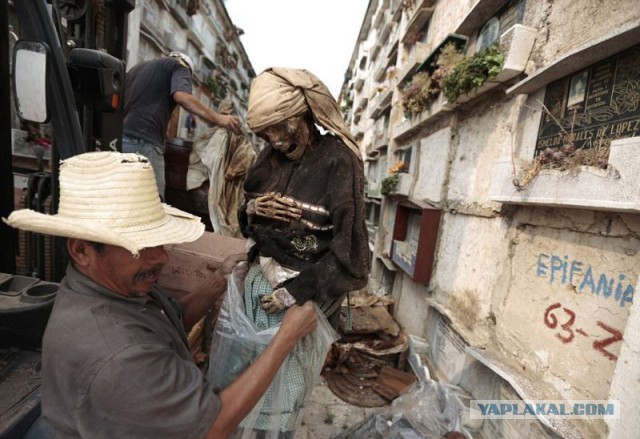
x=279 y=93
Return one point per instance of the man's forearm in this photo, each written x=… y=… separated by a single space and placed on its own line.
x=193 y=105
x=244 y=393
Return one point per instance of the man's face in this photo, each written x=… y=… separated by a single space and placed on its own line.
x=290 y=136
x=116 y=269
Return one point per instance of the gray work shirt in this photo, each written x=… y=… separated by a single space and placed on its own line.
x=117 y=367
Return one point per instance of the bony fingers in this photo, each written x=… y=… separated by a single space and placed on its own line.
x=291 y=209
x=292 y=205
x=288 y=210
x=270 y=307
x=291 y=201
x=283 y=212
x=287 y=201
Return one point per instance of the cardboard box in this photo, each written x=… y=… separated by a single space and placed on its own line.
x=192 y=264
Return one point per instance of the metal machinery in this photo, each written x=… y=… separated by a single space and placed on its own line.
x=85 y=43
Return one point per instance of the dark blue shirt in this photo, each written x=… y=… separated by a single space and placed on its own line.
x=148 y=97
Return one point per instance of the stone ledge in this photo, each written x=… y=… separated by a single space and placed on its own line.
x=516 y=43
x=616 y=189
x=436 y=108
x=586 y=55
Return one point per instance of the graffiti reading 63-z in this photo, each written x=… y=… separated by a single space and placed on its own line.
x=599 y=345
x=567 y=331
x=566 y=334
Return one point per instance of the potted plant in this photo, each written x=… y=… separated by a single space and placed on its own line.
x=472 y=72
x=389 y=184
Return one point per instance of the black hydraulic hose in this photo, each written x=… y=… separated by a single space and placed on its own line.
x=41 y=195
x=30 y=238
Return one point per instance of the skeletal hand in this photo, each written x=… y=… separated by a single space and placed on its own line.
x=277 y=301
x=276 y=206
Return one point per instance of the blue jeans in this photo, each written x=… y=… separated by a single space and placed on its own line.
x=153 y=152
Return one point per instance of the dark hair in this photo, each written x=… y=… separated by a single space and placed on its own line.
x=98 y=246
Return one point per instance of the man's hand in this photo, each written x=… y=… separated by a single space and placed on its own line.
x=193 y=105
x=299 y=320
x=277 y=301
x=231 y=261
x=229 y=121
x=275 y=205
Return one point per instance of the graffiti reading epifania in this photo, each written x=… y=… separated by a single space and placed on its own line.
x=584 y=277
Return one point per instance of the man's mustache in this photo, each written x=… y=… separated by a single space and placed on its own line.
x=148 y=274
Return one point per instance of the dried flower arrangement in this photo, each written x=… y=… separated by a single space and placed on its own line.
x=399 y=167
x=448 y=59
x=424 y=87
x=566 y=158
x=418 y=93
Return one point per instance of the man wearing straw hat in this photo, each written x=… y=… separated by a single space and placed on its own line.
x=305 y=218
x=115 y=361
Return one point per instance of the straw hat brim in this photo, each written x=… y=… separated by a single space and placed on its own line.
x=177 y=227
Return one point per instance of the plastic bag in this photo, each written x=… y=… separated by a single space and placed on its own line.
x=428 y=410
x=237 y=342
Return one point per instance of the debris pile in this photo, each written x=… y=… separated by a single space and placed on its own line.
x=366 y=367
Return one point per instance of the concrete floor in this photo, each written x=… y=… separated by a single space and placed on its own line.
x=326 y=414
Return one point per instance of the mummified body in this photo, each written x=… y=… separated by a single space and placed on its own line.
x=304 y=218
x=308 y=215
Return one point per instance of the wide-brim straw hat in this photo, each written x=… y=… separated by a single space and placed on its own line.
x=111 y=198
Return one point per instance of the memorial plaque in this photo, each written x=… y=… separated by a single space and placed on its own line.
x=597 y=104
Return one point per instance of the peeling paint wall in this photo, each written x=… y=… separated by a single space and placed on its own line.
x=624 y=386
x=568 y=301
x=433 y=163
x=465 y=276
x=546 y=288
x=482 y=135
x=570 y=24
x=410 y=306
